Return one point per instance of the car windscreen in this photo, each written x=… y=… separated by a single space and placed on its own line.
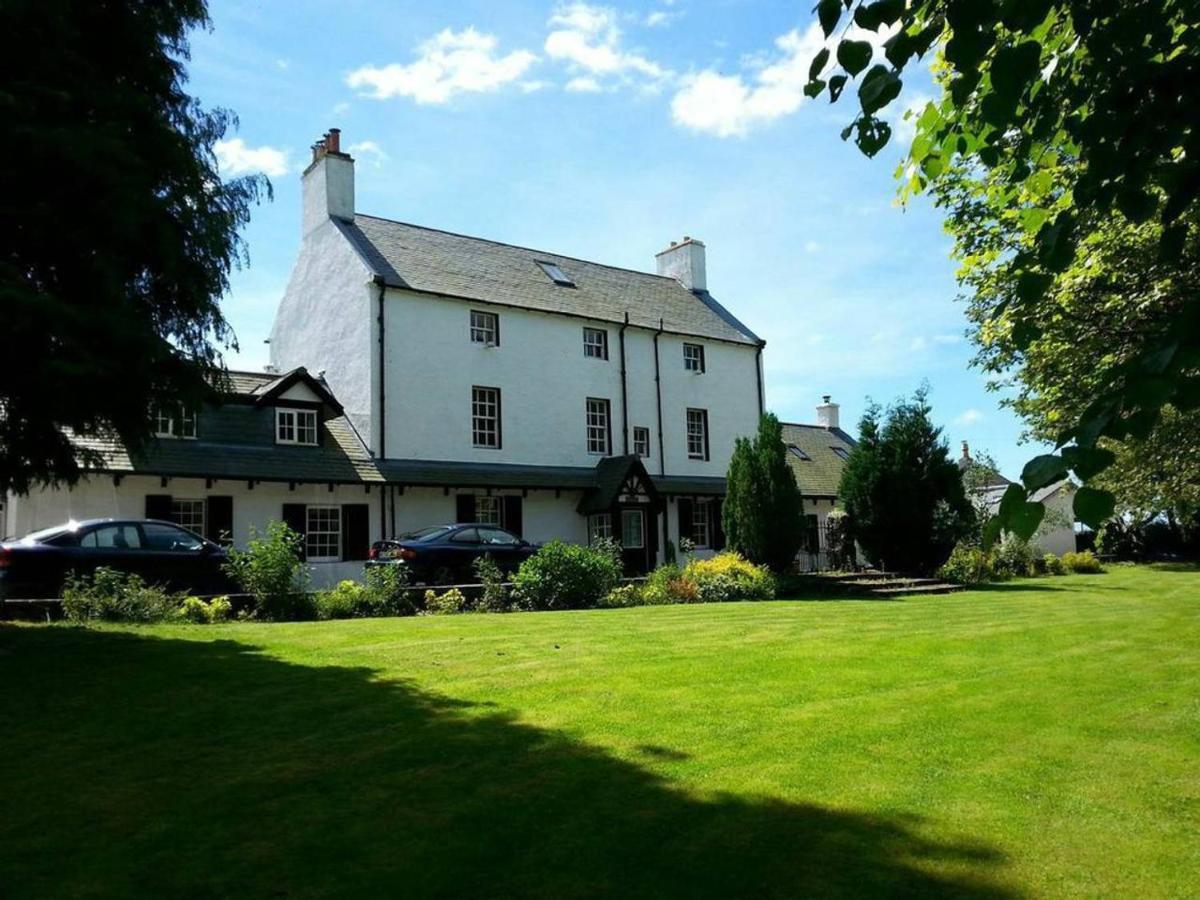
x=425 y=534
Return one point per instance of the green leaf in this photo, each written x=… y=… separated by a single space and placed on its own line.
x=882 y=12
x=872 y=134
x=1094 y=507
x=1135 y=204
x=814 y=88
x=853 y=56
x=879 y=87
x=1043 y=470
x=828 y=13
x=1025 y=519
x=1013 y=68
x=1032 y=286
x=1171 y=244
x=992 y=530
x=836 y=83
x=1088 y=462
x=818 y=64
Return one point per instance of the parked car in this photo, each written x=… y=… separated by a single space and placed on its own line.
x=445 y=554
x=162 y=553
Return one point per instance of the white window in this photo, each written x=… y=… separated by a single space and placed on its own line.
x=597 y=426
x=485 y=417
x=296 y=426
x=693 y=357
x=179 y=422
x=599 y=527
x=595 y=343
x=641 y=441
x=487 y=510
x=697 y=433
x=485 y=328
x=556 y=274
x=633 y=526
x=323 y=541
x=189 y=514
x=702 y=523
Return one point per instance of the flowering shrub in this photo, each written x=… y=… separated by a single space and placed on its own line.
x=1084 y=563
x=446 y=604
x=196 y=611
x=623 y=596
x=728 y=577
x=968 y=565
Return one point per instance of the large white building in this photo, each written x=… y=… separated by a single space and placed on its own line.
x=421 y=377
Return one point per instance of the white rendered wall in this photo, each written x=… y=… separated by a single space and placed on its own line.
x=545 y=379
x=1057 y=534
x=544 y=516
x=326 y=322
x=99 y=498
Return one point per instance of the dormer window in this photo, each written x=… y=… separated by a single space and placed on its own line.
x=555 y=274
x=175 y=422
x=485 y=328
x=693 y=358
x=296 y=426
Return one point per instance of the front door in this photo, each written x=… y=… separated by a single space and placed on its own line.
x=635 y=541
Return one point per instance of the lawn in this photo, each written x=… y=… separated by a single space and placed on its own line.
x=1041 y=738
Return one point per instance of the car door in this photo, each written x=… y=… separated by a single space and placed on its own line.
x=461 y=549
x=175 y=557
x=502 y=546
x=115 y=545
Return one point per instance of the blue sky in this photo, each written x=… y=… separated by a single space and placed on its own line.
x=605 y=131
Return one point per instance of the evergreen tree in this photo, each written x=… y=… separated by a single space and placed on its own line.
x=902 y=492
x=763 y=511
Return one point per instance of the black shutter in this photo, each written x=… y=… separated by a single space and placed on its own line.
x=295 y=517
x=356 y=534
x=684 y=505
x=464 y=508
x=510 y=515
x=718 y=529
x=158 y=506
x=218 y=520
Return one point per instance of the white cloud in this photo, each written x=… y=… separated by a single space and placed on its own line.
x=811 y=246
x=916 y=344
x=371 y=150
x=235 y=158
x=657 y=18
x=969 y=417
x=903 y=118
x=532 y=86
x=945 y=339
x=449 y=63
x=587 y=39
x=584 y=85
x=729 y=106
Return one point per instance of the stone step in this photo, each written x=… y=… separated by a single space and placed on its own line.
x=931 y=587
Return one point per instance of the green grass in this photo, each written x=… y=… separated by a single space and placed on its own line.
x=1041 y=738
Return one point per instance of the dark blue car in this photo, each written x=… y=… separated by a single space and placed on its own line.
x=445 y=554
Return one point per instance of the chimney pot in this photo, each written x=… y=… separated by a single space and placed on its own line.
x=684 y=261
x=966 y=450
x=333 y=140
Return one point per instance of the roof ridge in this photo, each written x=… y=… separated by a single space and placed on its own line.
x=472 y=237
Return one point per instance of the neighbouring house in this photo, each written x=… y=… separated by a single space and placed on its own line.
x=421 y=377
x=817 y=455
x=1057 y=532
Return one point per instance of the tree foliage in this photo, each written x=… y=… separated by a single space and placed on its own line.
x=763 y=510
x=1071 y=109
x=902 y=492
x=119 y=236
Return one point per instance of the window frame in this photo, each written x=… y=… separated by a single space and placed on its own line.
x=309 y=532
x=562 y=279
x=297 y=414
x=592 y=429
x=194 y=503
x=182 y=424
x=595 y=349
x=490 y=324
x=482 y=500
x=702 y=453
x=693 y=363
x=628 y=515
x=477 y=418
x=841 y=453
x=600 y=527
x=702 y=526
x=640 y=432
x=798 y=452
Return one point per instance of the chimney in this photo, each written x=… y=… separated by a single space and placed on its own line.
x=684 y=261
x=328 y=183
x=827 y=413
x=966 y=456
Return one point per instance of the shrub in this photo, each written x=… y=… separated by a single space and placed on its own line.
x=196 y=611
x=666 y=584
x=1084 y=563
x=348 y=600
x=111 y=596
x=448 y=603
x=495 y=594
x=1012 y=557
x=838 y=542
x=729 y=577
x=387 y=592
x=219 y=610
x=967 y=565
x=624 y=596
x=271 y=570
x=566 y=576
x=1052 y=565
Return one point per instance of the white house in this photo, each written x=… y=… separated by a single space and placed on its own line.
x=421 y=377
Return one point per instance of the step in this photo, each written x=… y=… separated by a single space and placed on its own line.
x=936 y=587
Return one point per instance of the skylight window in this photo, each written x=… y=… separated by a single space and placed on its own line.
x=842 y=452
x=798 y=453
x=557 y=275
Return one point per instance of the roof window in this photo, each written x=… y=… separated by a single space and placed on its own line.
x=798 y=453
x=557 y=275
x=842 y=452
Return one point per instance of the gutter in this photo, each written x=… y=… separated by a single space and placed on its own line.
x=759 y=375
x=662 y=461
x=624 y=396
x=379 y=280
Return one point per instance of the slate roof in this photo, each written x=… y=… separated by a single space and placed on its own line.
x=441 y=262
x=819 y=475
x=438 y=473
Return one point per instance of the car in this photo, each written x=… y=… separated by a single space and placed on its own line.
x=445 y=554
x=163 y=553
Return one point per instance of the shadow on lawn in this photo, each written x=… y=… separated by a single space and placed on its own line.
x=137 y=765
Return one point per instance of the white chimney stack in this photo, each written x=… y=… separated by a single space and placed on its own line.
x=827 y=413
x=328 y=183
x=684 y=261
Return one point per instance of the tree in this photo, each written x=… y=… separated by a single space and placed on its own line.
x=763 y=510
x=902 y=492
x=1071 y=109
x=119 y=236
